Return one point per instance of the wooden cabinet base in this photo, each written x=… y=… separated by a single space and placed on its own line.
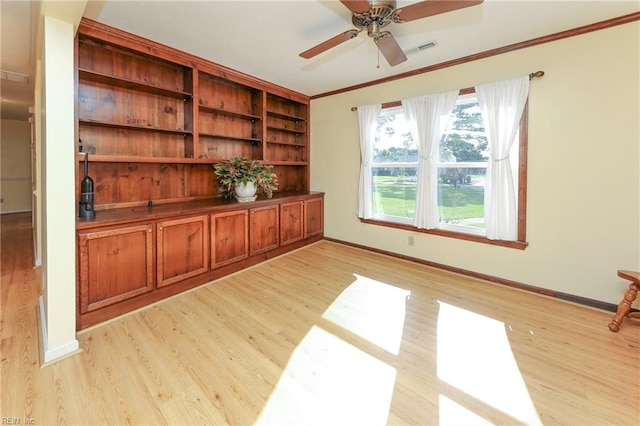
x=110 y=312
x=178 y=251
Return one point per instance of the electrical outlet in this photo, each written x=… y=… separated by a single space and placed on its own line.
x=411 y=240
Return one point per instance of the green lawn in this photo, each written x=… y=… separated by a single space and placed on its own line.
x=396 y=197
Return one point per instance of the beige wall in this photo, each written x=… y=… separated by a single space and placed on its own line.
x=15 y=166
x=57 y=192
x=583 y=219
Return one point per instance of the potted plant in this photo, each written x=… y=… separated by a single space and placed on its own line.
x=240 y=174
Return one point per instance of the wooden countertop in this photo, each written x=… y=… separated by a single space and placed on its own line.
x=161 y=211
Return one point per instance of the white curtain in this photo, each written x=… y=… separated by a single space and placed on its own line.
x=502 y=104
x=368 y=121
x=429 y=114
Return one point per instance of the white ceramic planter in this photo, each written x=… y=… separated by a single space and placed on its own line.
x=245 y=192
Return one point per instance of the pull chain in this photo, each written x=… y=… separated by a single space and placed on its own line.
x=378 y=66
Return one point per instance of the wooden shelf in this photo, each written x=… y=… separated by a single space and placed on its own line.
x=286 y=116
x=297 y=145
x=235 y=138
x=134 y=127
x=131 y=84
x=97 y=158
x=283 y=129
x=286 y=163
x=213 y=110
x=146 y=115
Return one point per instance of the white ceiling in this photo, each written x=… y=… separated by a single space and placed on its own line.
x=17 y=56
x=263 y=38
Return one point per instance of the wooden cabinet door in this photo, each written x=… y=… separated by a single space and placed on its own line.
x=313 y=215
x=229 y=237
x=291 y=222
x=115 y=264
x=263 y=229
x=183 y=249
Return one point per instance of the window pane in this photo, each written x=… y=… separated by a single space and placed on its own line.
x=394 y=192
x=394 y=143
x=461 y=188
x=461 y=196
x=395 y=162
x=465 y=138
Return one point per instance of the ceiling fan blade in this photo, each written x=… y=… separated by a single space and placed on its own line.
x=356 y=6
x=427 y=8
x=328 y=44
x=390 y=48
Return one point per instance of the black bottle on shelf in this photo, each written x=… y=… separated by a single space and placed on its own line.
x=86 y=192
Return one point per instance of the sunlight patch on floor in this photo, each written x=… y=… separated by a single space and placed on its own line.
x=373 y=310
x=474 y=356
x=329 y=381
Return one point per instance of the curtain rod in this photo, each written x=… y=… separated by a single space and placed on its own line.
x=397 y=103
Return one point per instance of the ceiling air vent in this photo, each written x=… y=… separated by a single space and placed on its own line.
x=427 y=45
x=14 y=76
x=422 y=47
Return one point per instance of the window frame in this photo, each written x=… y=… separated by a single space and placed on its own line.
x=521 y=242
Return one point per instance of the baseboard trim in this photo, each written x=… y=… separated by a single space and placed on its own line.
x=605 y=306
x=497 y=280
x=49 y=356
x=37 y=262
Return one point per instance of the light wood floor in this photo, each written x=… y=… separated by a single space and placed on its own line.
x=328 y=334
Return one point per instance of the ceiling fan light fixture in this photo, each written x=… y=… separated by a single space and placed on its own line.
x=373 y=30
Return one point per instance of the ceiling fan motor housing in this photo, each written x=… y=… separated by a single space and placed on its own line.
x=379 y=15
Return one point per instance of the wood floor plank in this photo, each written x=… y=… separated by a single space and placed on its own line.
x=322 y=334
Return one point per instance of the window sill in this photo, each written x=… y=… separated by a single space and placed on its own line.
x=518 y=245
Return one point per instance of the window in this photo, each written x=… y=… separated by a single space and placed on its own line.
x=462 y=163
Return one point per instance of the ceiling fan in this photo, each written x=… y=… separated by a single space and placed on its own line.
x=374 y=15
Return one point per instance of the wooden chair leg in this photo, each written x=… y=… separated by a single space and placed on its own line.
x=624 y=307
